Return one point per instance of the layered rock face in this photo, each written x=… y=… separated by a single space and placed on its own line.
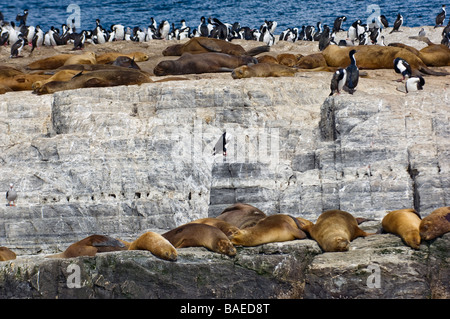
x=120 y=161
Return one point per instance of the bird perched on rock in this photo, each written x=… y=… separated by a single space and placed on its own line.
x=414 y=84
x=11 y=196
x=338 y=81
x=397 y=24
x=402 y=67
x=440 y=17
x=17 y=47
x=352 y=73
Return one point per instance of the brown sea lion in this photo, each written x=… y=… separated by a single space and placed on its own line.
x=6 y=254
x=101 y=78
x=267 y=59
x=49 y=63
x=90 y=246
x=63 y=75
x=274 y=228
x=404 y=223
x=22 y=82
x=311 y=61
x=200 y=235
x=85 y=58
x=242 y=215
x=225 y=227
x=288 y=59
x=376 y=57
x=156 y=244
x=334 y=230
x=202 y=45
x=431 y=55
x=5 y=89
x=436 y=224
x=201 y=63
x=263 y=70
x=112 y=56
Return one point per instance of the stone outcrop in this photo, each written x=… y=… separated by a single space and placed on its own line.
x=122 y=160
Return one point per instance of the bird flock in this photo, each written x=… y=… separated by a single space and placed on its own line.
x=19 y=34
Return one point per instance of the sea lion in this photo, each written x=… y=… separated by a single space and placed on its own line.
x=22 y=82
x=49 y=63
x=90 y=246
x=274 y=228
x=312 y=61
x=200 y=235
x=85 y=58
x=101 y=78
x=267 y=59
x=431 y=55
x=5 y=89
x=405 y=223
x=6 y=254
x=202 y=45
x=334 y=230
x=126 y=62
x=225 y=227
x=242 y=215
x=263 y=70
x=63 y=75
x=112 y=56
x=436 y=224
x=202 y=63
x=156 y=244
x=288 y=59
x=376 y=57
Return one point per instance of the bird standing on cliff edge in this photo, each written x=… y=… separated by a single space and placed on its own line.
x=11 y=196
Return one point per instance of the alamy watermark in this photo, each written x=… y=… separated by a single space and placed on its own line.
x=74 y=278
x=374 y=279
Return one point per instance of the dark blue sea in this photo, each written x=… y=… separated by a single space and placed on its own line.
x=251 y=13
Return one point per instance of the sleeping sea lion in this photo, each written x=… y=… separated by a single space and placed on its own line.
x=242 y=215
x=262 y=70
x=126 y=62
x=202 y=45
x=6 y=254
x=23 y=81
x=49 y=63
x=112 y=56
x=311 y=61
x=156 y=244
x=200 y=235
x=436 y=224
x=101 y=78
x=334 y=230
x=267 y=59
x=225 y=227
x=85 y=58
x=63 y=75
x=404 y=223
x=376 y=57
x=288 y=59
x=202 y=63
x=90 y=246
x=274 y=228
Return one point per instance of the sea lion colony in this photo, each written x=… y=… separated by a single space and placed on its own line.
x=332 y=55
x=240 y=224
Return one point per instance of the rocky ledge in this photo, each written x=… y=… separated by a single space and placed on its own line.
x=379 y=266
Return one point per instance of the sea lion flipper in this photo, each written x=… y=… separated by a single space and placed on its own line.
x=210 y=45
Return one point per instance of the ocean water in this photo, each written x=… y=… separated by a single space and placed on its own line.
x=251 y=13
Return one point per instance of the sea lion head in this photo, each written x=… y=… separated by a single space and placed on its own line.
x=126 y=62
x=341 y=244
x=226 y=247
x=170 y=253
x=434 y=226
x=413 y=239
x=162 y=68
x=240 y=72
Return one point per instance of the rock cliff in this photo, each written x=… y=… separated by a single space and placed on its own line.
x=123 y=160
